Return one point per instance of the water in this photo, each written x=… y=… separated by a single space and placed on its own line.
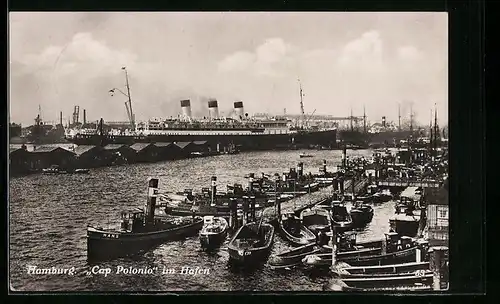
x=49 y=215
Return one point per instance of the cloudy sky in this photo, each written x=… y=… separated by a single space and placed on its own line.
x=344 y=61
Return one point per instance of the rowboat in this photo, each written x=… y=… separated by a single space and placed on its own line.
x=292 y=229
x=293 y=257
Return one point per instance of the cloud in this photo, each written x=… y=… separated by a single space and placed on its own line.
x=82 y=52
x=271 y=58
x=409 y=53
x=365 y=51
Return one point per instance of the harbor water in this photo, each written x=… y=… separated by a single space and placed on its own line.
x=49 y=215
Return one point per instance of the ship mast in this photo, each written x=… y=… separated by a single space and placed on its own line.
x=399 y=117
x=364 y=119
x=411 y=122
x=436 y=132
x=301 y=101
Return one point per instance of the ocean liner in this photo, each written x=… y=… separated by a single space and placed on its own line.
x=242 y=131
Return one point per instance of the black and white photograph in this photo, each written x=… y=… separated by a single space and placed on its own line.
x=228 y=152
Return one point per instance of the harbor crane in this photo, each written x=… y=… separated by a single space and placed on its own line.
x=128 y=103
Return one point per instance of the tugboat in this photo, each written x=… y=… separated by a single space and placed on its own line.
x=214 y=231
x=139 y=230
x=361 y=214
x=251 y=244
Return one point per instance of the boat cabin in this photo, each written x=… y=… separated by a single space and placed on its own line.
x=212 y=224
x=132 y=220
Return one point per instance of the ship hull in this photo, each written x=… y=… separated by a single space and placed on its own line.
x=103 y=245
x=243 y=142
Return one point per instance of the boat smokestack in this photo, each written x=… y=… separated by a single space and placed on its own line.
x=300 y=169
x=251 y=177
x=151 y=203
x=233 y=213
x=213 y=191
x=245 y=210
x=60 y=118
x=344 y=156
x=238 y=109
x=186 y=109
x=213 y=109
x=84 y=116
x=383 y=121
x=324 y=166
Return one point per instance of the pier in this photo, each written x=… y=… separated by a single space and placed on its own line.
x=298 y=204
x=409 y=183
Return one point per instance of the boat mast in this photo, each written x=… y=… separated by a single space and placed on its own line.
x=399 y=117
x=364 y=119
x=301 y=101
x=132 y=118
x=431 y=140
x=436 y=132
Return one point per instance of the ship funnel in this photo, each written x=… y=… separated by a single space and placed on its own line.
x=238 y=109
x=186 y=109
x=213 y=109
x=383 y=121
x=84 y=116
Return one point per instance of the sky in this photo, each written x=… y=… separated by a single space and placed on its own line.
x=345 y=61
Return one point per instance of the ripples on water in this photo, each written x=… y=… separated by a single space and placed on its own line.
x=49 y=215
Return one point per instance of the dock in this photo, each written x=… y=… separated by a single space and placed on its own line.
x=409 y=183
x=299 y=203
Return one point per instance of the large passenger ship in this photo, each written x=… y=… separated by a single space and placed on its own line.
x=241 y=131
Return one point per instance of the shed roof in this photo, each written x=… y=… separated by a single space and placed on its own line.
x=182 y=144
x=48 y=149
x=163 y=144
x=140 y=146
x=83 y=148
x=114 y=146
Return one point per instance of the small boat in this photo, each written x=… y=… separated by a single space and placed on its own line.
x=316 y=219
x=54 y=169
x=304 y=155
x=364 y=257
x=381 y=197
x=292 y=229
x=81 y=171
x=251 y=244
x=406 y=221
x=293 y=257
x=197 y=154
x=139 y=230
x=340 y=216
x=406 y=283
x=214 y=231
x=347 y=270
x=361 y=214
